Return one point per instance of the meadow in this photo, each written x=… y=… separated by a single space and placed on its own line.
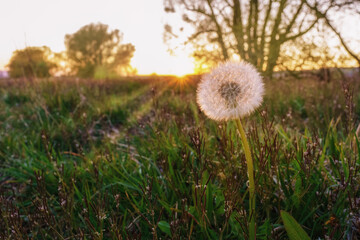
x=135 y=158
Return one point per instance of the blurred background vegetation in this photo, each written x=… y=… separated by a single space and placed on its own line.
x=92 y=52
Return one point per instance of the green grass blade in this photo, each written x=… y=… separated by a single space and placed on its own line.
x=165 y=227
x=293 y=228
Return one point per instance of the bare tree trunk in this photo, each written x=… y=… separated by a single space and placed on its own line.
x=255 y=48
x=275 y=42
x=274 y=52
x=219 y=33
x=263 y=35
x=238 y=28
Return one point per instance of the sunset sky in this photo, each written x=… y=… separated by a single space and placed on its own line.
x=45 y=22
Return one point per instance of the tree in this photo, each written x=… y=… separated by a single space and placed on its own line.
x=307 y=53
x=253 y=30
x=94 y=47
x=31 y=62
x=324 y=15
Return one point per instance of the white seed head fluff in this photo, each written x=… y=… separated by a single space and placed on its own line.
x=231 y=90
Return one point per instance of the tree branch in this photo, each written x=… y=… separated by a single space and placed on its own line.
x=343 y=43
x=219 y=32
x=327 y=21
x=301 y=33
x=288 y=28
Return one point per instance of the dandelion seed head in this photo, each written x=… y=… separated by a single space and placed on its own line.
x=231 y=90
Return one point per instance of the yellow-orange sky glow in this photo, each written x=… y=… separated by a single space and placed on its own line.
x=46 y=22
x=43 y=22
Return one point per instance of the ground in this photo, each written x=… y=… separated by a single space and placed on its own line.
x=135 y=158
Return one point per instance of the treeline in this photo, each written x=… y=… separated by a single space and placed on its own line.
x=94 y=51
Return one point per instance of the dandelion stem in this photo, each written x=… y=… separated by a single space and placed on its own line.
x=250 y=170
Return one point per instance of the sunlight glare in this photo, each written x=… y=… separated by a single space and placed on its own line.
x=163 y=64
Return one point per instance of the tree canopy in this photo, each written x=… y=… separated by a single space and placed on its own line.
x=94 y=47
x=31 y=62
x=253 y=30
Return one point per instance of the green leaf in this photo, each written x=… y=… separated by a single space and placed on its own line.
x=293 y=228
x=165 y=227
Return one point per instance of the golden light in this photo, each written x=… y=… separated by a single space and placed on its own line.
x=62 y=63
x=164 y=64
x=182 y=80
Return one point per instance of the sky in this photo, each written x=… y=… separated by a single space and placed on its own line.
x=46 y=22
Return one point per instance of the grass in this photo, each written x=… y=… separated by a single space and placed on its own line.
x=136 y=159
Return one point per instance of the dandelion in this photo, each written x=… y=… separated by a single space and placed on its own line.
x=230 y=92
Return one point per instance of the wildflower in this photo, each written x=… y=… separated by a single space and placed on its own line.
x=230 y=91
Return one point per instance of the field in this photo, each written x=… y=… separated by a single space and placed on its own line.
x=135 y=158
